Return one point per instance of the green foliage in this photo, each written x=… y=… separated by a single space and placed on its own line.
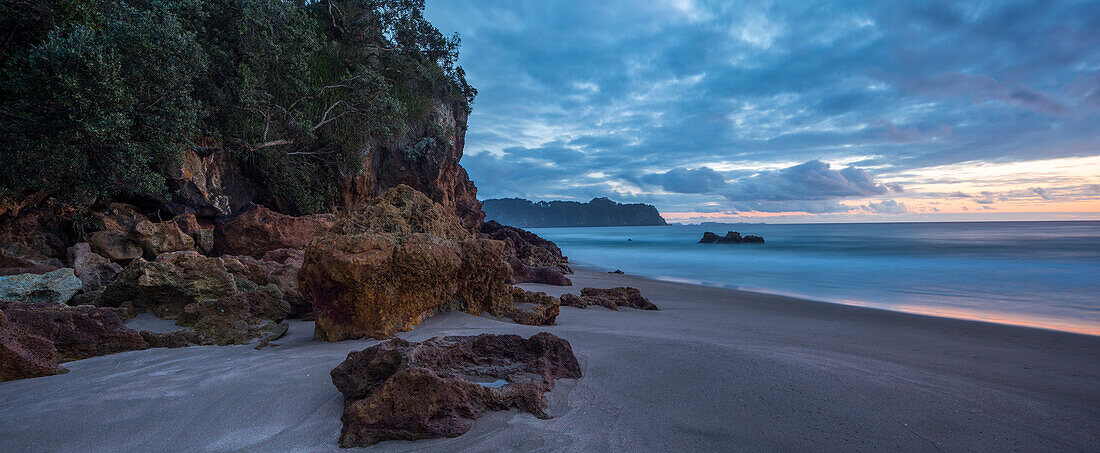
x=75 y=121
x=97 y=95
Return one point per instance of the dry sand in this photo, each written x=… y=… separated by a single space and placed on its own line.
x=715 y=369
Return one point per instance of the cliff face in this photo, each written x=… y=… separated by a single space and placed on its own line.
x=209 y=183
x=427 y=161
x=598 y=212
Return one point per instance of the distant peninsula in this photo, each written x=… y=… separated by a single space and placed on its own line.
x=598 y=212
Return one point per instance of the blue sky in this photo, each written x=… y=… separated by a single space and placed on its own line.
x=787 y=111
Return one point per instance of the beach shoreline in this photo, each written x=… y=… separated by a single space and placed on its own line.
x=714 y=370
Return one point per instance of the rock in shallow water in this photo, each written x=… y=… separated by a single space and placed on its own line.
x=400 y=390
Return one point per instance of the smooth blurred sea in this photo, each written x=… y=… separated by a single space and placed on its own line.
x=1040 y=274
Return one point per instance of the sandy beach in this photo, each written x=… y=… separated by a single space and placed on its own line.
x=714 y=370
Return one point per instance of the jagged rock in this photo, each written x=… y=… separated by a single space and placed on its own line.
x=277 y=267
x=533 y=309
x=531 y=258
x=383 y=269
x=160 y=237
x=731 y=237
x=239 y=318
x=572 y=300
x=53 y=287
x=36 y=236
x=170 y=283
x=94 y=271
x=403 y=211
x=377 y=285
x=548 y=275
x=24 y=354
x=399 y=390
x=75 y=332
x=203 y=237
x=114 y=245
x=426 y=161
x=206 y=181
x=257 y=230
x=612 y=298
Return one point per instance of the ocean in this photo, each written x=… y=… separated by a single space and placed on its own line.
x=1038 y=274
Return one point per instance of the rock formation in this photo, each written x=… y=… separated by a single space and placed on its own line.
x=23 y=354
x=168 y=284
x=612 y=298
x=36 y=337
x=54 y=287
x=277 y=267
x=531 y=258
x=76 y=332
x=239 y=318
x=257 y=230
x=731 y=237
x=533 y=309
x=215 y=296
x=401 y=258
x=399 y=390
x=94 y=271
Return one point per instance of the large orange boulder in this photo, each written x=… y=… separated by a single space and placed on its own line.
x=257 y=230
x=376 y=285
x=397 y=260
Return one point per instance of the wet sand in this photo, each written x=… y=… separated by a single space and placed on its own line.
x=714 y=370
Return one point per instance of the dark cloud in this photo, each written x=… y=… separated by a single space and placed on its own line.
x=813 y=180
x=887 y=207
x=682 y=180
x=620 y=89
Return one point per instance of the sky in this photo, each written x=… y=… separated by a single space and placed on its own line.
x=833 y=111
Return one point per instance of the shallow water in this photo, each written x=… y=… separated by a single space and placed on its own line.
x=1041 y=274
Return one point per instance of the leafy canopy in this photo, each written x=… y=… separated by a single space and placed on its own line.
x=98 y=97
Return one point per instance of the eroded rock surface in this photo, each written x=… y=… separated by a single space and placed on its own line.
x=23 y=354
x=156 y=238
x=277 y=267
x=215 y=296
x=385 y=268
x=53 y=287
x=612 y=298
x=76 y=332
x=257 y=230
x=531 y=258
x=399 y=390
x=93 y=270
x=239 y=318
x=376 y=284
x=170 y=283
x=533 y=308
